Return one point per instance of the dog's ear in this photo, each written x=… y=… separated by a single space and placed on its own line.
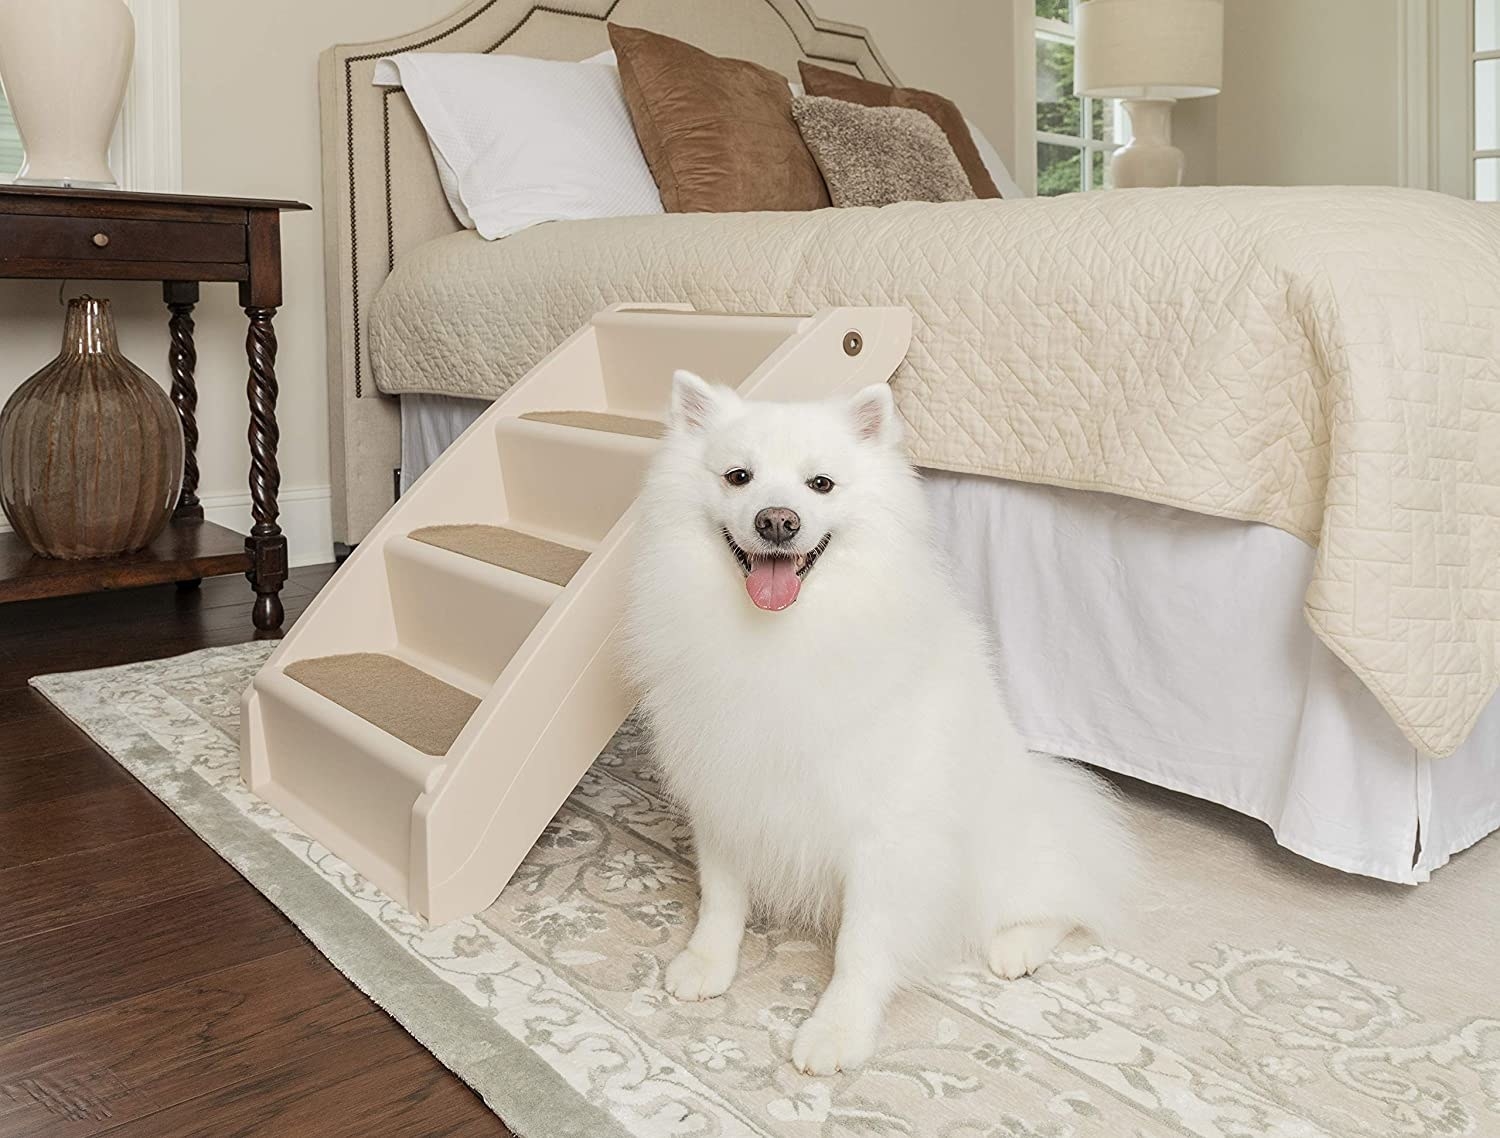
x=695 y=402
x=874 y=414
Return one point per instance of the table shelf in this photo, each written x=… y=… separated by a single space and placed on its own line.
x=186 y=550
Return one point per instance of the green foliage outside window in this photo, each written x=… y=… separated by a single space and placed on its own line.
x=1057 y=110
x=1060 y=112
x=1057 y=170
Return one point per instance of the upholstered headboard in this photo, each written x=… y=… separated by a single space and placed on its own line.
x=380 y=188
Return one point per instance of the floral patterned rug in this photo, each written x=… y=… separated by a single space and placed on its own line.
x=1257 y=995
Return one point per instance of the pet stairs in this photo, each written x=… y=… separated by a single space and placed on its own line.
x=434 y=706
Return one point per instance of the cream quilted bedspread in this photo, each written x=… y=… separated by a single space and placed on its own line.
x=1322 y=360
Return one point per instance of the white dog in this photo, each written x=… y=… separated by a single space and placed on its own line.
x=836 y=736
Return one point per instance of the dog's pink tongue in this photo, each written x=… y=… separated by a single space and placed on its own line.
x=773 y=583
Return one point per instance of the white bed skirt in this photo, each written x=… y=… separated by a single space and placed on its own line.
x=1171 y=646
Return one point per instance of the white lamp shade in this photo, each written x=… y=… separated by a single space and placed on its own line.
x=1149 y=49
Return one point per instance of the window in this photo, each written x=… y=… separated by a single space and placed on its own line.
x=10 y=144
x=1484 y=48
x=1074 y=136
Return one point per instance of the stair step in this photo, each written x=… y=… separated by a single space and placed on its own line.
x=420 y=710
x=600 y=421
x=460 y=617
x=640 y=348
x=568 y=483
x=508 y=548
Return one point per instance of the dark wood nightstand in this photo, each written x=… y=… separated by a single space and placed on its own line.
x=181 y=241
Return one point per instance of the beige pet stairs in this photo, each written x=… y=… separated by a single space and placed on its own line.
x=442 y=696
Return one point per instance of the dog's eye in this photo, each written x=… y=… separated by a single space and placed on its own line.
x=739 y=476
x=820 y=483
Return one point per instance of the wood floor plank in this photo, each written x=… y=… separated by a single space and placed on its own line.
x=107 y=642
x=47 y=775
x=398 y=1091
x=92 y=884
x=89 y=1073
x=79 y=822
x=36 y=654
x=84 y=967
x=41 y=731
x=310 y=578
x=19 y=703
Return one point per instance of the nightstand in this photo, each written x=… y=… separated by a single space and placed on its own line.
x=182 y=241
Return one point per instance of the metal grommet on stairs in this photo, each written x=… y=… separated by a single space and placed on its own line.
x=853 y=342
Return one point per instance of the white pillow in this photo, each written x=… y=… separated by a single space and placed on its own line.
x=449 y=181
x=994 y=164
x=522 y=141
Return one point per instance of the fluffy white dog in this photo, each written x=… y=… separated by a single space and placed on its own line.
x=836 y=737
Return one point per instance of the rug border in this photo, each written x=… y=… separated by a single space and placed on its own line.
x=525 y=1092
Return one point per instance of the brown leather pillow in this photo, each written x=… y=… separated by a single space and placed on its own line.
x=717 y=133
x=853 y=89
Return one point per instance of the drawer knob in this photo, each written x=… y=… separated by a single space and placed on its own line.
x=101 y=239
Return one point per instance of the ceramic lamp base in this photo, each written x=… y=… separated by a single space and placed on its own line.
x=1149 y=158
x=65 y=64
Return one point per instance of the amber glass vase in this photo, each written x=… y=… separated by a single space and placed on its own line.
x=90 y=447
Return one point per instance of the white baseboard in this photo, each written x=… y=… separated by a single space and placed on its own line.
x=306 y=519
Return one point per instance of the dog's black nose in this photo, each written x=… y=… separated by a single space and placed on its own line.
x=777 y=524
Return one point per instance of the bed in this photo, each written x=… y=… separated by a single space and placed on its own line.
x=1206 y=555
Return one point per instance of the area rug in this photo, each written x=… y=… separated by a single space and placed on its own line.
x=1256 y=995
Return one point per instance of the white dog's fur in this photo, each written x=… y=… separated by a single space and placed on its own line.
x=847 y=762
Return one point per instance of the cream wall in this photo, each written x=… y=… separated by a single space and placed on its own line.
x=961 y=48
x=1311 y=96
x=1314 y=93
x=250 y=127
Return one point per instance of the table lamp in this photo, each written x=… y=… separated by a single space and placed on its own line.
x=1150 y=53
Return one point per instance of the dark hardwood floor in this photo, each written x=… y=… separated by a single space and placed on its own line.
x=145 y=989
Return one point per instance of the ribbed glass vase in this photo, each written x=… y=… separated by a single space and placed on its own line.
x=90 y=447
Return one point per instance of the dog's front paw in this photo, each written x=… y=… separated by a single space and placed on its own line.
x=824 y=1046
x=1021 y=949
x=699 y=976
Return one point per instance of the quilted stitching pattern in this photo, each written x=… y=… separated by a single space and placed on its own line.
x=1326 y=361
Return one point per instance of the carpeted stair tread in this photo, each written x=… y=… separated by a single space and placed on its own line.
x=600 y=421
x=508 y=548
x=420 y=710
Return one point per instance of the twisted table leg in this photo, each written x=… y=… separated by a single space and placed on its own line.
x=182 y=360
x=266 y=544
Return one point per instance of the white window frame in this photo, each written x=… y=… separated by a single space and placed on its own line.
x=1060 y=31
x=1476 y=57
x=146 y=151
x=1435 y=100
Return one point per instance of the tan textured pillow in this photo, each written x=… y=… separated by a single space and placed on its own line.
x=852 y=89
x=717 y=133
x=880 y=155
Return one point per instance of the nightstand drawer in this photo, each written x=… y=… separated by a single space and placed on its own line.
x=24 y=237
